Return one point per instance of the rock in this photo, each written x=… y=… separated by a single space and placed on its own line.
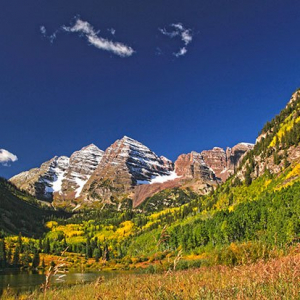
x=224 y=163
x=192 y=166
x=60 y=177
x=125 y=164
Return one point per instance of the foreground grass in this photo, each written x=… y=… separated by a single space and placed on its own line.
x=276 y=279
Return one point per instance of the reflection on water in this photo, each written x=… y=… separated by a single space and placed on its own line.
x=21 y=281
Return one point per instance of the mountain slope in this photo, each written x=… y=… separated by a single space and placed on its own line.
x=277 y=146
x=224 y=163
x=60 y=177
x=127 y=170
x=125 y=164
x=20 y=212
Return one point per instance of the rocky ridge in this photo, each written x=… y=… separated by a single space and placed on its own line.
x=125 y=164
x=224 y=163
x=126 y=170
x=277 y=146
x=60 y=177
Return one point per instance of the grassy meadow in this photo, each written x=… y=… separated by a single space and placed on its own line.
x=277 y=278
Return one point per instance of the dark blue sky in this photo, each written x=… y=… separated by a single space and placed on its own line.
x=239 y=71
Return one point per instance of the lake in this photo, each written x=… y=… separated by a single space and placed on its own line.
x=24 y=281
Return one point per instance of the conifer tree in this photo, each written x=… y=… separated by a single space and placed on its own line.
x=2 y=254
x=16 y=257
x=36 y=259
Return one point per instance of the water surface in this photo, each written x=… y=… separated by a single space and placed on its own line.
x=24 y=281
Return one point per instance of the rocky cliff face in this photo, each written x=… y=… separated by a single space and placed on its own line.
x=216 y=159
x=224 y=163
x=60 y=177
x=126 y=170
x=125 y=164
x=190 y=171
x=193 y=166
x=43 y=182
x=82 y=165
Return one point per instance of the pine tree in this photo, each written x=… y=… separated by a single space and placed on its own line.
x=88 y=250
x=97 y=254
x=248 y=179
x=20 y=243
x=46 y=246
x=276 y=158
x=36 y=259
x=43 y=264
x=26 y=259
x=16 y=257
x=2 y=254
x=9 y=256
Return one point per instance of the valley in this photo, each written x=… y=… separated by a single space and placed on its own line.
x=133 y=210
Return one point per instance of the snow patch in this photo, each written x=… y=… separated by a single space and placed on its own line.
x=56 y=185
x=81 y=184
x=164 y=178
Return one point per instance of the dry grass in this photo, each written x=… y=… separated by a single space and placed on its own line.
x=276 y=279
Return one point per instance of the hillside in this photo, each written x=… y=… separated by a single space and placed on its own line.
x=20 y=212
x=253 y=215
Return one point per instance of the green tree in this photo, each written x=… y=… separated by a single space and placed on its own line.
x=26 y=259
x=2 y=254
x=276 y=158
x=36 y=259
x=16 y=257
x=97 y=254
x=46 y=246
x=248 y=179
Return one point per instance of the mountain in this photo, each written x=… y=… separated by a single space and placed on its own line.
x=277 y=145
x=61 y=177
x=125 y=164
x=224 y=163
x=190 y=171
x=126 y=170
x=20 y=212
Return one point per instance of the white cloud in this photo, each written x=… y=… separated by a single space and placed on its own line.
x=6 y=157
x=116 y=48
x=51 y=37
x=81 y=26
x=86 y=30
x=112 y=31
x=179 y=30
x=43 y=30
x=181 y=52
x=170 y=34
x=186 y=36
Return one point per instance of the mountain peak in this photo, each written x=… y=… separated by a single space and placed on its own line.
x=91 y=147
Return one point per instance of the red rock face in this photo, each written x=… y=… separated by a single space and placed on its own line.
x=192 y=166
x=142 y=192
x=217 y=160
x=224 y=163
x=192 y=172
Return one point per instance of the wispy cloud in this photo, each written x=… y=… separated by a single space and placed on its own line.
x=182 y=51
x=50 y=37
x=86 y=30
x=6 y=157
x=112 y=31
x=179 y=30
